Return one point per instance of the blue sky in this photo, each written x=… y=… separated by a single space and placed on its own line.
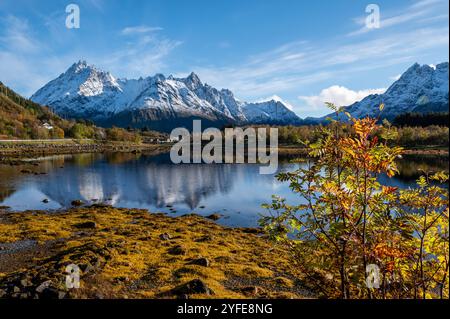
x=305 y=52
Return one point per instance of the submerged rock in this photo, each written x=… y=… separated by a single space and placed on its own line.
x=196 y=286
x=77 y=202
x=89 y=225
x=205 y=238
x=26 y=282
x=165 y=236
x=177 y=250
x=200 y=262
x=214 y=217
x=52 y=293
x=251 y=290
x=43 y=286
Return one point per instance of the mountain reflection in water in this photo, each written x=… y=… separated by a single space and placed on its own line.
x=153 y=182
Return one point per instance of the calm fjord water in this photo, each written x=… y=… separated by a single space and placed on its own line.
x=137 y=181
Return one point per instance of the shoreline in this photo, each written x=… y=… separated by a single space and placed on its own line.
x=132 y=253
x=33 y=149
x=30 y=149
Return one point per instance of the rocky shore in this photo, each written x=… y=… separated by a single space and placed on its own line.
x=9 y=150
x=131 y=253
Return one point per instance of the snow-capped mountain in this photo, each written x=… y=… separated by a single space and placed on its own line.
x=272 y=111
x=421 y=89
x=157 y=102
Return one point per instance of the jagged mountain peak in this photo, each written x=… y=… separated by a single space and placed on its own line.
x=159 y=77
x=265 y=111
x=421 y=88
x=82 y=67
x=192 y=81
x=81 y=64
x=85 y=91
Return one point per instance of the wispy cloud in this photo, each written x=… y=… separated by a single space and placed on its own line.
x=28 y=64
x=299 y=63
x=98 y=4
x=17 y=35
x=417 y=12
x=142 y=57
x=299 y=67
x=143 y=54
x=142 y=29
x=17 y=44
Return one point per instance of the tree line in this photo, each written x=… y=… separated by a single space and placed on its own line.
x=422 y=119
x=406 y=135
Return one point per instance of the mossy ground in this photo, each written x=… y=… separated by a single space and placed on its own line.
x=125 y=256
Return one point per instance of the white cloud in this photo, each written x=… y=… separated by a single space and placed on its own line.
x=395 y=77
x=339 y=95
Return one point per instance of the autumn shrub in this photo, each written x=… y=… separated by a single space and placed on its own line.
x=353 y=237
x=81 y=131
x=57 y=133
x=120 y=134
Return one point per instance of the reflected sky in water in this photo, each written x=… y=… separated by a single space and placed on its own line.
x=152 y=182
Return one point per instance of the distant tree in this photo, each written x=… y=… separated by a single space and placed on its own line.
x=120 y=134
x=57 y=133
x=80 y=131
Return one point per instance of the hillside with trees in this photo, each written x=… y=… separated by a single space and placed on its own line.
x=21 y=118
x=24 y=119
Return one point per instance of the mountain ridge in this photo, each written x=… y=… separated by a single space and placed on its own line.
x=421 y=89
x=162 y=103
x=156 y=102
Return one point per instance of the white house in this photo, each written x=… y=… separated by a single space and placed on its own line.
x=47 y=126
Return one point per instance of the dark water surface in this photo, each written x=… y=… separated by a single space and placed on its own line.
x=153 y=182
